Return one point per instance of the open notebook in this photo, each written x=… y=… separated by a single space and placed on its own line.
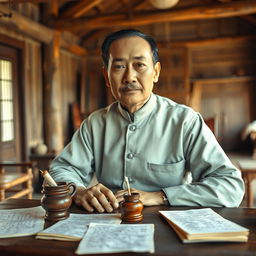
x=204 y=225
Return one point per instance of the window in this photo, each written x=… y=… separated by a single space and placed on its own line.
x=6 y=101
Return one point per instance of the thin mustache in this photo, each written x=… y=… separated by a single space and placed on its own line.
x=129 y=87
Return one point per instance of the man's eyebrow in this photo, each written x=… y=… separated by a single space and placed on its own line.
x=135 y=58
x=139 y=58
x=118 y=59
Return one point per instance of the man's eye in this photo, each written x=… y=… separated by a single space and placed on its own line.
x=140 y=65
x=119 y=67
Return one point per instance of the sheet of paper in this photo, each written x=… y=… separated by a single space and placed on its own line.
x=202 y=221
x=21 y=222
x=112 y=238
x=77 y=224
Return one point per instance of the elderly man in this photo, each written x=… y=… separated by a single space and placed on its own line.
x=149 y=139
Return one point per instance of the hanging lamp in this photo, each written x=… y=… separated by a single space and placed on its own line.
x=163 y=4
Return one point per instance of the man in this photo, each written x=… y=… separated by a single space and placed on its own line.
x=149 y=139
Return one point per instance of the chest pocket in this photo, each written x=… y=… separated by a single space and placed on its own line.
x=166 y=175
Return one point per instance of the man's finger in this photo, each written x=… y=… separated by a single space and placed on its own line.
x=105 y=203
x=86 y=205
x=110 y=197
x=96 y=204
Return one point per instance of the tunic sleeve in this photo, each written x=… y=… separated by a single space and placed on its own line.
x=216 y=181
x=76 y=162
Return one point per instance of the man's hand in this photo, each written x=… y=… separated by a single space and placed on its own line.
x=98 y=198
x=147 y=198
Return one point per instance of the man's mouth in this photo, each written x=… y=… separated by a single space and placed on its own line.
x=129 y=88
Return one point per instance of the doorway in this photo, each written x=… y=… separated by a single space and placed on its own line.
x=11 y=114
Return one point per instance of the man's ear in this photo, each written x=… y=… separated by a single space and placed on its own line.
x=157 y=69
x=105 y=73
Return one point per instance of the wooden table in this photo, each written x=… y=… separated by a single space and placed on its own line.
x=166 y=240
x=247 y=165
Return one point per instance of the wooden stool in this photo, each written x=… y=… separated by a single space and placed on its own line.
x=10 y=179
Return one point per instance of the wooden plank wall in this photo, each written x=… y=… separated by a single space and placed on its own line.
x=33 y=93
x=96 y=90
x=70 y=75
x=227 y=76
x=223 y=59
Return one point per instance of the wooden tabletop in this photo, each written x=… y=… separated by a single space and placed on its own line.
x=166 y=240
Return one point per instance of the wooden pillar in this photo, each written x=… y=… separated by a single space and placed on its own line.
x=83 y=87
x=52 y=96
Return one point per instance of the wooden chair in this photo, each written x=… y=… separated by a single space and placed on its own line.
x=16 y=180
x=213 y=125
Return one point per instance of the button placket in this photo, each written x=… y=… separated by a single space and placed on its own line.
x=130 y=154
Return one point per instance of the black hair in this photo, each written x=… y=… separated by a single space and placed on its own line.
x=127 y=33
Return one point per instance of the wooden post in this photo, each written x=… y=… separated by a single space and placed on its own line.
x=83 y=87
x=52 y=96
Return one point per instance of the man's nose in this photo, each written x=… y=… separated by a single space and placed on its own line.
x=129 y=75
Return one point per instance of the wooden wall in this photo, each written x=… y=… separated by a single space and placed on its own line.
x=33 y=81
x=70 y=74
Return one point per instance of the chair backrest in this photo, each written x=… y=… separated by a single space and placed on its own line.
x=212 y=124
x=16 y=180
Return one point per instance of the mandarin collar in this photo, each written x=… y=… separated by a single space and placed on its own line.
x=145 y=110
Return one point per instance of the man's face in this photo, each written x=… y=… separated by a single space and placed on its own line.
x=131 y=73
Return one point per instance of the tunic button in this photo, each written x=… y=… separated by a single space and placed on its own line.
x=132 y=128
x=130 y=155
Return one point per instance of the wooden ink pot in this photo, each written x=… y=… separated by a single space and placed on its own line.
x=132 y=208
x=57 y=200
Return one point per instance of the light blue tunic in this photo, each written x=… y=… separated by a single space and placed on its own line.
x=154 y=148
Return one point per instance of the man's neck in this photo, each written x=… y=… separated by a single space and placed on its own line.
x=134 y=108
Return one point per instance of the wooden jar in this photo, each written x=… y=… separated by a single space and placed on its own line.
x=132 y=208
x=57 y=200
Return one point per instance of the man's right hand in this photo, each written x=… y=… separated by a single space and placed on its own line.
x=98 y=198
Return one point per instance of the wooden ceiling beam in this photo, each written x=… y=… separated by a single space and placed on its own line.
x=54 y=7
x=80 y=8
x=213 y=11
x=247 y=18
x=32 y=1
x=37 y=31
x=26 y=26
x=140 y=6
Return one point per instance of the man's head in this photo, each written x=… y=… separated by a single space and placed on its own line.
x=131 y=67
x=127 y=33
